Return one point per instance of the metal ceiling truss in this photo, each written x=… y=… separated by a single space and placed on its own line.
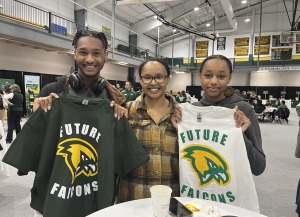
x=293 y=23
x=163 y=20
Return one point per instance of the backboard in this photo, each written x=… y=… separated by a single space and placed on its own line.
x=287 y=37
x=290 y=37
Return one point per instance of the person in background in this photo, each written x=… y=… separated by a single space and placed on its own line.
x=271 y=115
x=259 y=107
x=128 y=92
x=268 y=103
x=178 y=97
x=2 y=109
x=253 y=98
x=183 y=95
x=15 y=111
x=6 y=88
x=277 y=103
x=244 y=95
x=215 y=75
x=153 y=117
x=188 y=97
x=282 y=104
x=118 y=87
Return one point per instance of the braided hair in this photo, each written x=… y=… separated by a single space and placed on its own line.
x=83 y=33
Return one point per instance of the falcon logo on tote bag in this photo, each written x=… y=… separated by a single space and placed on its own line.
x=208 y=165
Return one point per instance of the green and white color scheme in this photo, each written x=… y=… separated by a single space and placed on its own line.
x=213 y=160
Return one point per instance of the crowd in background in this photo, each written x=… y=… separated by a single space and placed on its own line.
x=12 y=101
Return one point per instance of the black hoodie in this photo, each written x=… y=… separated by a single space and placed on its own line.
x=252 y=135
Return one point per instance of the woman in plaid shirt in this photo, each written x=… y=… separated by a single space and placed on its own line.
x=152 y=119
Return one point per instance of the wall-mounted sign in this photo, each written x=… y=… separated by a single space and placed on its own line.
x=241 y=51
x=201 y=53
x=241 y=42
x=283 y=92
x=201 y=49
x=221 y=43
x=298 y=48
x=281 y=53
x=201 y=44
x=264 y=50
x=32 y=89
x=297 y=92
x=264 y=40
x=265 y=92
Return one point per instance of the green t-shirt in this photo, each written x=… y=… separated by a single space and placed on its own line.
x=129 y=95
x=76 y=150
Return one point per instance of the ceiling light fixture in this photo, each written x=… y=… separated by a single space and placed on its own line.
x=174 y=30
x=155 y=17
x=244 y=2
x=207 y=24
x=196 y=8
x=247 y=20
x=1 y=6
x=123 y=63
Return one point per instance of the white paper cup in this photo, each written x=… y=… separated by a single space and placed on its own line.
x=160 y=195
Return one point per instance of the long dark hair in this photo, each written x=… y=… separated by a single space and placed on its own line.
x=154 y=60
x=83 y=33
x=218 y=56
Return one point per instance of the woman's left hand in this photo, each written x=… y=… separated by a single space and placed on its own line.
x=241 y=119
x=119 y=111
x=176 y=118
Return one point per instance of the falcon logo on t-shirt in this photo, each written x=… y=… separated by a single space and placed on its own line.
x=80 y=157
x=208 y=165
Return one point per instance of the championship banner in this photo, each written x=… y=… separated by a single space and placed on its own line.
x=264 y=40
x=264 y=50
x=241 y=46
x=32 y=89
x=213 y=160
x=201 y=49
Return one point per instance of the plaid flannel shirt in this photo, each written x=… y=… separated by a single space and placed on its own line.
x=160 y=142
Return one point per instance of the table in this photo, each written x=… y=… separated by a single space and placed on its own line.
x=143 y=208
x=269 y=109
x=288 y=102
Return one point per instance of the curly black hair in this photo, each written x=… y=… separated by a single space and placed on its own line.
x=83 y=33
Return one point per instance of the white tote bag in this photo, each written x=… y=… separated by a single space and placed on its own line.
x=213 y=159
